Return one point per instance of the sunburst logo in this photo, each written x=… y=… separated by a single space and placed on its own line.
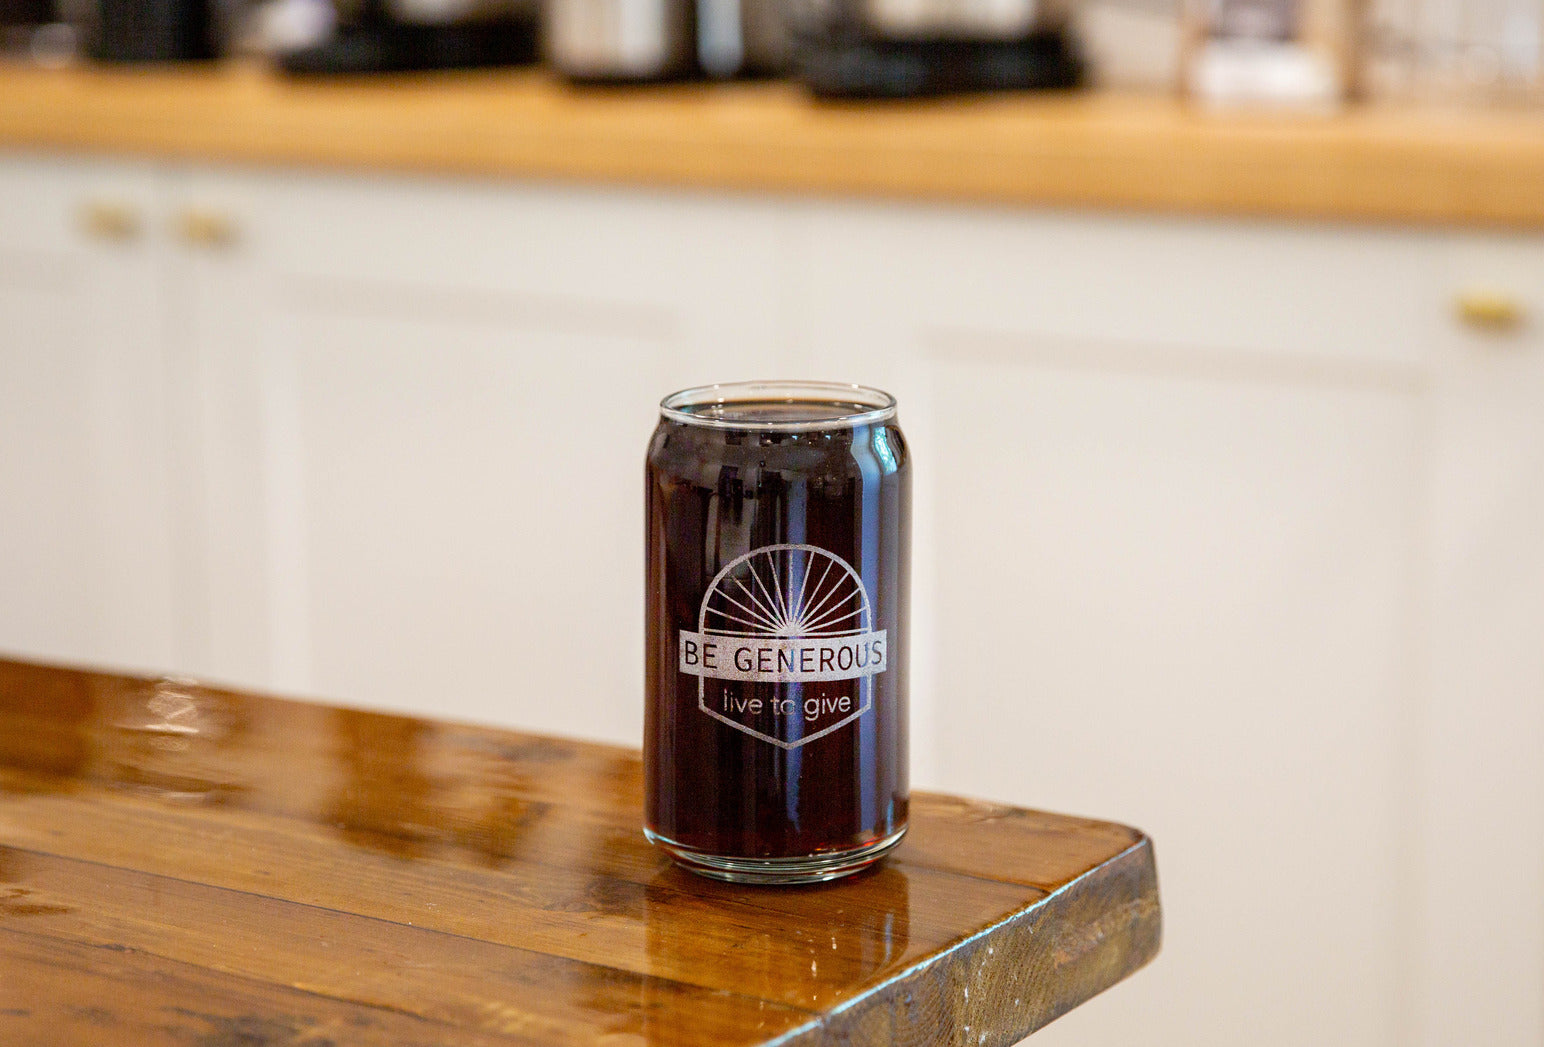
x=788 y=614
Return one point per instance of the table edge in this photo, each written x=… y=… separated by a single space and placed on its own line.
x=1041 y=961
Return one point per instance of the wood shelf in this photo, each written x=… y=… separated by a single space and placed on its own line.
x=1088 y=150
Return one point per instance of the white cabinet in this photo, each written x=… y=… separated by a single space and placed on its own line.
x=1479 y=723
x=85 y=512
x=1233 y=534
x=1229 y=530
x=1173 y=515
x=429 y=406
x=1183 y=599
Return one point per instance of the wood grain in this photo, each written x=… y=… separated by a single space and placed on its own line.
x=1483 y=168
x=180 y=863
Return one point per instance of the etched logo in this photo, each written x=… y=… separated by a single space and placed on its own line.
x=788 y=614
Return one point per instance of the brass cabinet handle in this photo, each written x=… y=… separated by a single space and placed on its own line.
x=111 y=220
x=1489 y=310
x=205 y=228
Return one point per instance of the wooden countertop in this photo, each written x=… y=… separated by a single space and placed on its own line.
x=180 y=864
x=1483 y=168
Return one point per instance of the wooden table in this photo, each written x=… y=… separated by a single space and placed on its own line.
x=190 y=866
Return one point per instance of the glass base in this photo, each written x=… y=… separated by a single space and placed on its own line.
x=815 y=868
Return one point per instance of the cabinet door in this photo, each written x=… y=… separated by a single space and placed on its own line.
x=1481 y=828
x=1184 y=600
x=1170 y=571
x=427 y=408
x=85 y=541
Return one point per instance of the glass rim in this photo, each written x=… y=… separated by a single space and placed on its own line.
x=876 y=404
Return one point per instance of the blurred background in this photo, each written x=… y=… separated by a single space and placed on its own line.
x=1216 y=332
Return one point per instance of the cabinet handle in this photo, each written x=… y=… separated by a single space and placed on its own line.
x=203 y=228
x=1490 y=310
x=110 y=220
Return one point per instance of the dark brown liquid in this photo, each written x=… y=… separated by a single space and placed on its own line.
x=715 y=495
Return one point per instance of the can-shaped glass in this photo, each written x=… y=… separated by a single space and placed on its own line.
x=778 y=564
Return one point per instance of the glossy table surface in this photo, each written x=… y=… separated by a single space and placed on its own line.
x=191 y=866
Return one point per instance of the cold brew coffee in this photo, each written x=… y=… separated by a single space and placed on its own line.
x=777 y=582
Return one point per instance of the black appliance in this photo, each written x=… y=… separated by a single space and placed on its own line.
x=152 y=31
x=906 y=48
x=26 y=12
x=400 y=35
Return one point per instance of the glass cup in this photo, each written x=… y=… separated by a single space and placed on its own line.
x=779 y=518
